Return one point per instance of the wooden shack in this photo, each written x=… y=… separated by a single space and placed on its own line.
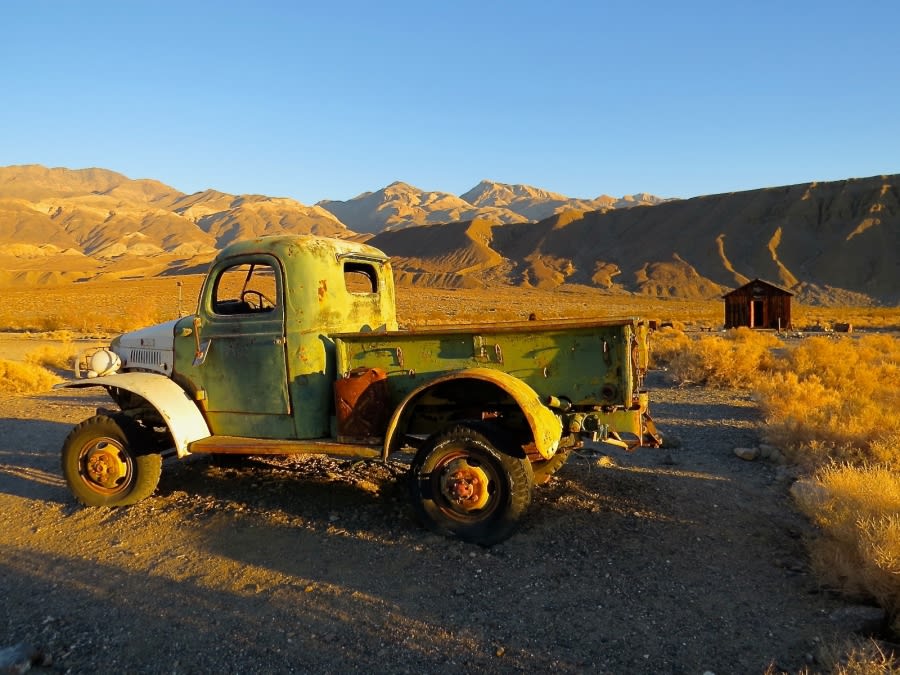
x=758 y=304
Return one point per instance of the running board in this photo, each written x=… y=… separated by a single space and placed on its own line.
x=236 y=445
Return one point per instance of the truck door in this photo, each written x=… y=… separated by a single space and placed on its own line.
x=243 y=369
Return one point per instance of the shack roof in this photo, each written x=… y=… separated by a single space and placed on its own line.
x=758 y=287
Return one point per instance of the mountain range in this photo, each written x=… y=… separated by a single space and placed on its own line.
x=826 y=242
x=401 y=205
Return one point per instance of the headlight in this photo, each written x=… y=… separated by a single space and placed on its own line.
x=103 y=362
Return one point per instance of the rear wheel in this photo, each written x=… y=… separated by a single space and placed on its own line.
x=101 y=466
x=462 y=485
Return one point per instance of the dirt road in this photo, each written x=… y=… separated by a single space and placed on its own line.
x=678 y=560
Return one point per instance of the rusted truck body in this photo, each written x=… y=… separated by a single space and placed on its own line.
x=295 y=348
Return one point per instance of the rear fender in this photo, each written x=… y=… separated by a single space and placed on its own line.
x=181 y=414
x=545 y=426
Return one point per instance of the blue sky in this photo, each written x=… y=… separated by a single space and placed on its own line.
x=327 y=100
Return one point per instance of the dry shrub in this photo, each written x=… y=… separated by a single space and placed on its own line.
x=836 y=399
x=885 y=450
x=858 y=511
x=25 y=378
x=856 y=656
x=59 y=357
x=667 y=344
x=736 y=359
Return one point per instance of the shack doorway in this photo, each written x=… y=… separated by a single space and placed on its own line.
x=757 y=314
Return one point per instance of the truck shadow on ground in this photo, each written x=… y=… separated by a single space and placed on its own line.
x=598 y=528
x=328 y=552
x=28 y=468
x=340 y=500
x=83 y=620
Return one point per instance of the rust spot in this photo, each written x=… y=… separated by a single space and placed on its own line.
x=362 y=404
x=323 y=289
x=532 y=452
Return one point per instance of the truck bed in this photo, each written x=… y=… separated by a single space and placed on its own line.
x=588 y=362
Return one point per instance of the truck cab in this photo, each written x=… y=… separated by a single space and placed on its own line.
x=258 y=356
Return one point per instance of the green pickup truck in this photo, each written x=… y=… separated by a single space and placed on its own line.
x=295 y=348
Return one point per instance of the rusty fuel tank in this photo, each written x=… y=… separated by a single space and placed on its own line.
x=362 y=404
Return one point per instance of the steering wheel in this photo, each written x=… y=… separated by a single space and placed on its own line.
x=262 y=301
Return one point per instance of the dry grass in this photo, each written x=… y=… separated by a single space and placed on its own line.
x=97 y=307
x=836 y=399
x=126 y=304
x=57 y=357
x=833 y=404
x=735 y=359
x=25 y=378
x=858 y=510
x=430 y=306
x=826 y=400
x=855 y=656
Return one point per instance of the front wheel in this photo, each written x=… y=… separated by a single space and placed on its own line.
x=101 y=467
x=462 y=485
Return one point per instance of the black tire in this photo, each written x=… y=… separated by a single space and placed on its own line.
x=101 y=467
x=546 y=468
x=462 y=485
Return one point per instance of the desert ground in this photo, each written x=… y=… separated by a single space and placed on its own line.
x=682 y=559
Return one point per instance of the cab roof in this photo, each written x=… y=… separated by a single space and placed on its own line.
x=288 y=245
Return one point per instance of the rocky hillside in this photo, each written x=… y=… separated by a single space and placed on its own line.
x=402 y=205
x=534 y=204
x=826 y=242
x=61 y=224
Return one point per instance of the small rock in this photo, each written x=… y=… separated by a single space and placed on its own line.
x=786 y=473
x=19 y=658
x=807 y=491
x=777 y=457
x=767 y=451
x=862 y=619
x=748 y=454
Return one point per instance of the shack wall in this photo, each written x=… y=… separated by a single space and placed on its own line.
x=758 y=305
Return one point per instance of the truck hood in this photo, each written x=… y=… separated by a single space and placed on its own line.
x=151 y=348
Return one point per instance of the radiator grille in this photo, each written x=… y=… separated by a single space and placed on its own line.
x=145 y=357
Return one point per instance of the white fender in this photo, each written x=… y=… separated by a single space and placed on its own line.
x=181 y=414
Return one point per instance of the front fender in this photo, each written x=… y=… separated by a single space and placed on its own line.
x=181 y=414
x=546 y=429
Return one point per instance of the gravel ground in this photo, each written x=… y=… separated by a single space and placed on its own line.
x=683 y=559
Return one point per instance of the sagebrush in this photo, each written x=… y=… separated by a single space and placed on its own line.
x=836 y=399
x=25 y=378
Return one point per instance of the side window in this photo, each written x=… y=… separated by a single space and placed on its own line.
x=246 y=289
x=360 y=278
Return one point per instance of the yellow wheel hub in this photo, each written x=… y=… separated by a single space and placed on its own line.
x=465 y=485
x=104 y=466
